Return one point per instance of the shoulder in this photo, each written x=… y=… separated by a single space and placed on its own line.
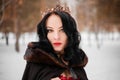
x=33 y=45
x=35 y=54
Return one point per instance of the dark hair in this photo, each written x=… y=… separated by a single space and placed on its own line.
x=69 y=27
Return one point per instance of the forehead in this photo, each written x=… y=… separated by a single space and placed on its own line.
x=54 y=21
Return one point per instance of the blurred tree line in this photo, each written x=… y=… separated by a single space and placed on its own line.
x=99 y=16
x=21 y=16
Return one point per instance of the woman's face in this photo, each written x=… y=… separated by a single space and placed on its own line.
x=56 y=34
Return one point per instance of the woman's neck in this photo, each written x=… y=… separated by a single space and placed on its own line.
x=59 y=53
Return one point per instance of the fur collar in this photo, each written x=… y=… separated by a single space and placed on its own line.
x=35 y=54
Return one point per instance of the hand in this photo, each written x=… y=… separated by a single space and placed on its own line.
x=57 y=78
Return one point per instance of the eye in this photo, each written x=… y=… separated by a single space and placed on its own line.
x=49 y=30
x=62 y=30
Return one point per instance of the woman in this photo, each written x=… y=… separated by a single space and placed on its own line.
x=56 y=56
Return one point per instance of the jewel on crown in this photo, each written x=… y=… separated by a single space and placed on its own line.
x=57 y=8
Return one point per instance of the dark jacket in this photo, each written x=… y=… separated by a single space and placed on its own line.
x=43 y=66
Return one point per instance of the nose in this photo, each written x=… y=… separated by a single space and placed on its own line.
x=56 y=36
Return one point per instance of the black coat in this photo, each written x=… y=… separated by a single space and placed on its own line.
x=43 y=66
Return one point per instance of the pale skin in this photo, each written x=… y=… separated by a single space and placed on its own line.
x=56 y=34
x=57 y=78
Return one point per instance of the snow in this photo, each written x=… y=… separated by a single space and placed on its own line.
x=103 y=64
x=11 y=63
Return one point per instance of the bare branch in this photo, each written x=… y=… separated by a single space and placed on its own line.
x=4 y=5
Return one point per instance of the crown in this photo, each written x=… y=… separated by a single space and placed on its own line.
x=57 y=8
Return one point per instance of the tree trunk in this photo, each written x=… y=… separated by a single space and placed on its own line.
x=97 y=35
x=7 y=38
x=17 y=42
x=17 y=32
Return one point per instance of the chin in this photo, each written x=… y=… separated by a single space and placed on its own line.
x=58 y=50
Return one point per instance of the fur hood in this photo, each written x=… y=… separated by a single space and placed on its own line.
x=37 y=55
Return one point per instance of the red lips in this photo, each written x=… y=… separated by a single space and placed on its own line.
x=57 y=43
x=65 y=78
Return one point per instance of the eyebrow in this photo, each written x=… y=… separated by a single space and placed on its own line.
x=48 y=27
x=51 y=27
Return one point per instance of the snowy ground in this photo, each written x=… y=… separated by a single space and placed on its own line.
x=11 y=63
x=104 y=62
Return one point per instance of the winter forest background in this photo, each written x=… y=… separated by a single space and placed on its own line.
x=98 y=22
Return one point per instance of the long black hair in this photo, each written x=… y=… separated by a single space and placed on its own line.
x=70 y=29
